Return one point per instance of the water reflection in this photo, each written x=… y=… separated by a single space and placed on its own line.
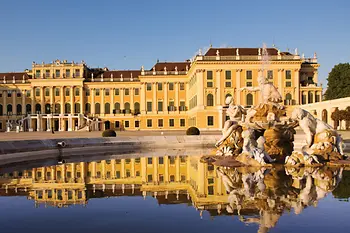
x=256 y=196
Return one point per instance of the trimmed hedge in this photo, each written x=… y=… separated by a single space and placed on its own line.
x=109 y=133
x=192 y=131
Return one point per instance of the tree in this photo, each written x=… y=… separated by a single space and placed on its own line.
x=338 y=82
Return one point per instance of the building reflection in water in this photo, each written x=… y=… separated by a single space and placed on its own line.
x=255 y=195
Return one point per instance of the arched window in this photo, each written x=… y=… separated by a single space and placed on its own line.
x=28 y=108
x=317 y=96
x=325 y=115
x=227 y=95
x=88 y=108
x=77 y=108
x=19 y=109
x=117 y=107
x=1 y=110
x=127 y=107
x=9 y=109
x=311 y=97
x=288 y=100
x=47 y=91
x=303 y=98
x=97 y=108
x=137 y=107
x=37 y=108
x=57 y=108
x=107 y=108
x=249 y=99
x=210 y=100
x=67 y=108
x=47 y=108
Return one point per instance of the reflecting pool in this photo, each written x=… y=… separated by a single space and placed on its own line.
x=170 y=194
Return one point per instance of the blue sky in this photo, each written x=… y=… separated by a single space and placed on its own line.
x=129 y=34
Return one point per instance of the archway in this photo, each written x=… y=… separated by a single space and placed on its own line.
x=97 y=108
x=137 y=108
x=77 y=107
x=127 y=107
x=107 y=125
x=325 y=115
x=19 y=109
x=249 y=100
x=47 y=109
x=37 y=108
x=87 y=108
x=117 y=107
x=28 y=108
x=67 y=108
x=107 y=108
x=57 y=108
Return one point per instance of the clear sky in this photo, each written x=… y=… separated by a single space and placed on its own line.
x=128 y=34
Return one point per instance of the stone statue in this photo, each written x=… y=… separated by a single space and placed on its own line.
x=235 y=112
x=296 y=51
x=312 y=127
x=259 y=51
x=237 y=52
x=176 y=68
x=217 y=53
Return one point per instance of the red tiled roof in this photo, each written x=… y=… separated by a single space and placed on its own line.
x=117 y=75
x=17 y=75
x=241 y=51
x=170 y=66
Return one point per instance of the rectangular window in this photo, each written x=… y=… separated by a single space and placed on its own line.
x=288 y=84
x=136 y=91
x=228 y=84
x=126 y=91
x=209 y=84
x=171 y=86
x=160 y=86
x=49 y=194
x=116 y=124
x=47 y=73
x=87 y=92
x=182 y=123
x=37 y=92
x=228 y=74
x=161 y=178
x=160 y=106
x=160 y=122
x=127 y=124
x=270 y=74
x=210 y=190
x=149 y=122
x=288 y=74
x=117 y=174
x=57 y=73
x=149 y=160
x=209 y=75
x=97 y=92
x=149 y=106
x=249 y=74
x=161 y=160
x=137 y=124
x=249 y=84
x=47 y=92
x=37 y=74
x=77 y=91
x=67 y=91
x=107 y=92
x=67 y=73
x=149 y=178
x=149 y=86
x=116 y=91
x=210 y=120
x=182 y=86
x=57 y=91
x=171 y=122
x=77 y=73
x=28 y=93
x=182 y=106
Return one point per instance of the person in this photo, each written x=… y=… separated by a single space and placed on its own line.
x=235 y=112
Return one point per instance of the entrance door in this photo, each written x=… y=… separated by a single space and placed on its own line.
x=107 y=125
x=66 y=125
x=56 y=124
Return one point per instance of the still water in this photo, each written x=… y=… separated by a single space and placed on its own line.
x=170 y=194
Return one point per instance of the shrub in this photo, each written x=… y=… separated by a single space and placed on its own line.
x=109 y=133
x=192 y=131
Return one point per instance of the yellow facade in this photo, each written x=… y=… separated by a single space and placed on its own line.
x=69 y=96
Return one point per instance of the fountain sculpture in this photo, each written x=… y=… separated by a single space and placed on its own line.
x=264 y=134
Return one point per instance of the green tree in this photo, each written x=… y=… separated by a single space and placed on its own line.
x=338 y=82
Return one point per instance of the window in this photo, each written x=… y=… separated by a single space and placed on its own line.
x=210 y=120
x=137 y=107
x=107 y=92
x=161 y=178
x=209 y=78
x=249 y=74
x=171 y=122
x=97 y=108
x=67 y=91
x=149 y=86
x=182 y=106
x=149 y=160
x=270 y=74
x=67 y=73
x=49 y=193
x=57 y=91
x=228 y=74
x=149 y=122
x=288 y=84
x=37 y=74
x=172 y=159
x=137 y=124
x=182 y=86
x=37 y=92
x=127 y=124
x=87 y=92
x=171 y=86
x=136 y=91
x=126 y=91
x=77 y=92
x=160 y=86
x=288 y=99
x=107 y=108
x=161 y=160
x=249 y=84
x=149 y=106
x=160 y=106
x=77 y=73
x=249 y=99
x=47 y=73
x=210 y=180
x=28 y=93
x=182 y=123
x=172 y=178
x=149 y=178
x=210 y=100
x=210 y=190
x=116 y=91
x=288 y=74
x=97 y=92
x=57 y=73
x=228 y=84
x=160 y=122
x=117 y=174
x=47 y=92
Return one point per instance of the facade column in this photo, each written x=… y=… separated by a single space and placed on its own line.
x=42 y=100
x=113 y=168
x=81 y=100
x=297 y=87
x=122 y=98
x=143 y=169
x=122 y=168
x=52 y=98
x=177 y=167
x=33 y=100
x=280 y=81
x=14 y=106
x=72 y=99
x=82 y=170
x=132 y=167
x=187 y=88
x=4 y=107
x=177 y=96
x=315 y=76
x=103 y=101
x=62 y=100
x=154 y=106
x=112 y=99
x=165 y=101
x=132 y=104
x=238 y=87
x=200 y=88
x=166 y=169
x=143 y=98
x=92 y=101
x=23 y=102
x=218 y=85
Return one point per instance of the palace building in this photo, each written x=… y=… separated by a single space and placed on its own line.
x=68 y=96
